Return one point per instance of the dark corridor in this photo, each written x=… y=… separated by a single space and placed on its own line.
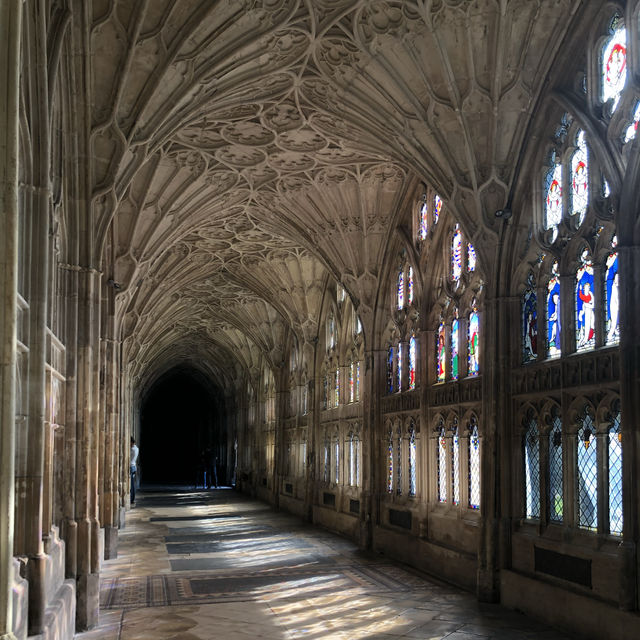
x=182 y=430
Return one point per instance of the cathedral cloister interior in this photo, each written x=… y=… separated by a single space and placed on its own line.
x=377 y=259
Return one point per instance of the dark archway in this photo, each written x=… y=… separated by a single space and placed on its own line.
x=182 y=429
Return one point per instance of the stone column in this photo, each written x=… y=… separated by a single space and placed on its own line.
x=10 y=30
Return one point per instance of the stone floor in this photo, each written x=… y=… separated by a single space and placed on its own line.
x=199 y=565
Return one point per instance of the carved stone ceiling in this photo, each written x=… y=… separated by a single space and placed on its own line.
x=244 y=150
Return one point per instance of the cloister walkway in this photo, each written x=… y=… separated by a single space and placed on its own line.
x=200 y=565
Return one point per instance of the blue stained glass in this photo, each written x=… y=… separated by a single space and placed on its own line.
x=587 y=472
x=440 y=353
x=390 y=370
x=612 y=293
x=424 y=219
x=529 y=326
x=532 y=469
x=553 y=313
x=556 y=499
x=410 y=286
x=471 y=258
x=437 y=208
x=455 y=346
x=473 y=342
x=399 y=367
x=585 y=304
x=474 y=466
x=400 y=289
x=456 y=254
x=412 y=362
x=615 y=475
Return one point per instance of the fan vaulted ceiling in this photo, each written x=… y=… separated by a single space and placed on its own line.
x=245 y=150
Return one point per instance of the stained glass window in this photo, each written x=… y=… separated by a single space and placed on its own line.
x=437 y=208
x=580 y=178
x=400 y=289
x=532 y=469
x=553 y=195
x=442 y=465
x=474 y=465
x=471 y=258
x=424 y=219
x=390 y=462
x=456 y=254
x=473 y=341
x=556 y=499
x=585 y=304
x=357 y=461
x=336 y=388
x=440 y=353
x=614 y=64
x=336 y=458
x=412 y=461
x=410 y=286
x=632 y=129
x=615 y=474
x=587 y=472
x=399 y=368
x=390 y=370
x=331 y=332
x=327 y=461
x=352 y=395
x=529 y=324
x=612 y=294
x=358 y=381
x=412 y=362
x=352 y=462
x=553 y=313
x=455 y=463
x=399 y=462
x=455 y=346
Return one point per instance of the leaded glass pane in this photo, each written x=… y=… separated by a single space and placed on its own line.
x=390 y=370
x=442 y=466
x=327 y=462
x=357 y=462
x=440 y=353
x=553 y=313
x=580 y=178
x=336 y=388
x=399 y=368
x=424 y=219
x=585 y=304
x=632 y=129
x=352 y=367
x=358 y=381
x=399 y=458
x=390 y=462
x=473 y=342
x=331 y=332
x=587 y=471
x=351 y=461
x=455 y=347
x=336 y=458
x=615 y=475
x=455 y=464
x=529 y=325
x=532 y=470
x=614 y=65
x=437 y=208
x=471 y=258
x=553 y=196
x=456 y=254
x=556 y=500
x=412 y=461
x=400 y=298
x=410 y=286
x=412 y=362
x=474 y=466
x=612 y=294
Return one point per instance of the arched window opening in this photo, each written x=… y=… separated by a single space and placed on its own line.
x=585 y=304
x=455 y=345
x=390 y=461
x=442 y=463
x=556 y=485
x=529 y=322
x=456 y=254
x=336 y=460
x=473 y=341
x=614 y=64
x=440 y=353
x=400 y=291
x=580 y=178
x=631 y=131
x=412 y=362
x=412 y=460
x=615 y=473
x=553 y=193
x=455 y=463
x=587 y=473
x=399 y=462
x=437 y=208
x=399 y=368
x=553 y=313
x=471 y=258
x=532 y=468
x=474 y=465
x=612 y=295
x=423 y=224
x=390 y=370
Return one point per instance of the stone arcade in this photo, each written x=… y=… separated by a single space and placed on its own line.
x=398 y=243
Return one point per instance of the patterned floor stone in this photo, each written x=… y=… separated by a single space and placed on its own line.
x=200 y=565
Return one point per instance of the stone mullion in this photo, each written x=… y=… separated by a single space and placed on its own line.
x=10 y=30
